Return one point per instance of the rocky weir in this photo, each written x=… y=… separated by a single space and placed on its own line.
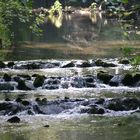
x=42 y=64
x=100 y=79
x=33 y=76
x=36 y=81
x=66 y=105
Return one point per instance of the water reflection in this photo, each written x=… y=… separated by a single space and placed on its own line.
x=75 y=36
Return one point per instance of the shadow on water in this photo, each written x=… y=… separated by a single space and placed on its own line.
x=76 y=36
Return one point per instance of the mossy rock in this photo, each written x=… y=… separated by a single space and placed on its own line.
x=33 y=66
x=10 y=64
x=18 y=100
x=39 y=80
x=25 y=103
x=128 y=80
x=2 y=64
x=136 y=77
x=124 y=61
x=104 y=64
x=84 y=65
x=7 y=77
x=115 y=107
x=131 y=103
x=105 y=77
x=94 y=109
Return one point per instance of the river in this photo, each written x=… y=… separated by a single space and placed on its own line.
x=71 y=39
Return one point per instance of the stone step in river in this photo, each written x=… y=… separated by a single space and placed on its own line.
x=48 y=77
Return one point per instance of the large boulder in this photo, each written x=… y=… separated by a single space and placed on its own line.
x=22 y=85
x=128 y=80
x=136 y=77
x=104 y=76
x=10 y=64
x=39 y=80
x=131 y=103
x=121 y=104
x=115 y=105
x=2 y=64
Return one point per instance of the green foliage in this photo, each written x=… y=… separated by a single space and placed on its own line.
x=127 y=51
x=56 y=8
x=135 y=61
x=93 y=6
x=12 y=13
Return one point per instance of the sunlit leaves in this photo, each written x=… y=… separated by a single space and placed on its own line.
x=14 y=12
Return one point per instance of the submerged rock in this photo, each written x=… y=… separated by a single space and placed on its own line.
x=90 y=85
x=46 y=125
x=77 y=82
x=51 y=87
x=14 y=119
x=6 y=86
x=33 y=66
x=115 y=81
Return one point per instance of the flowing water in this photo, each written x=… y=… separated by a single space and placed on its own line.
x=65 y=40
